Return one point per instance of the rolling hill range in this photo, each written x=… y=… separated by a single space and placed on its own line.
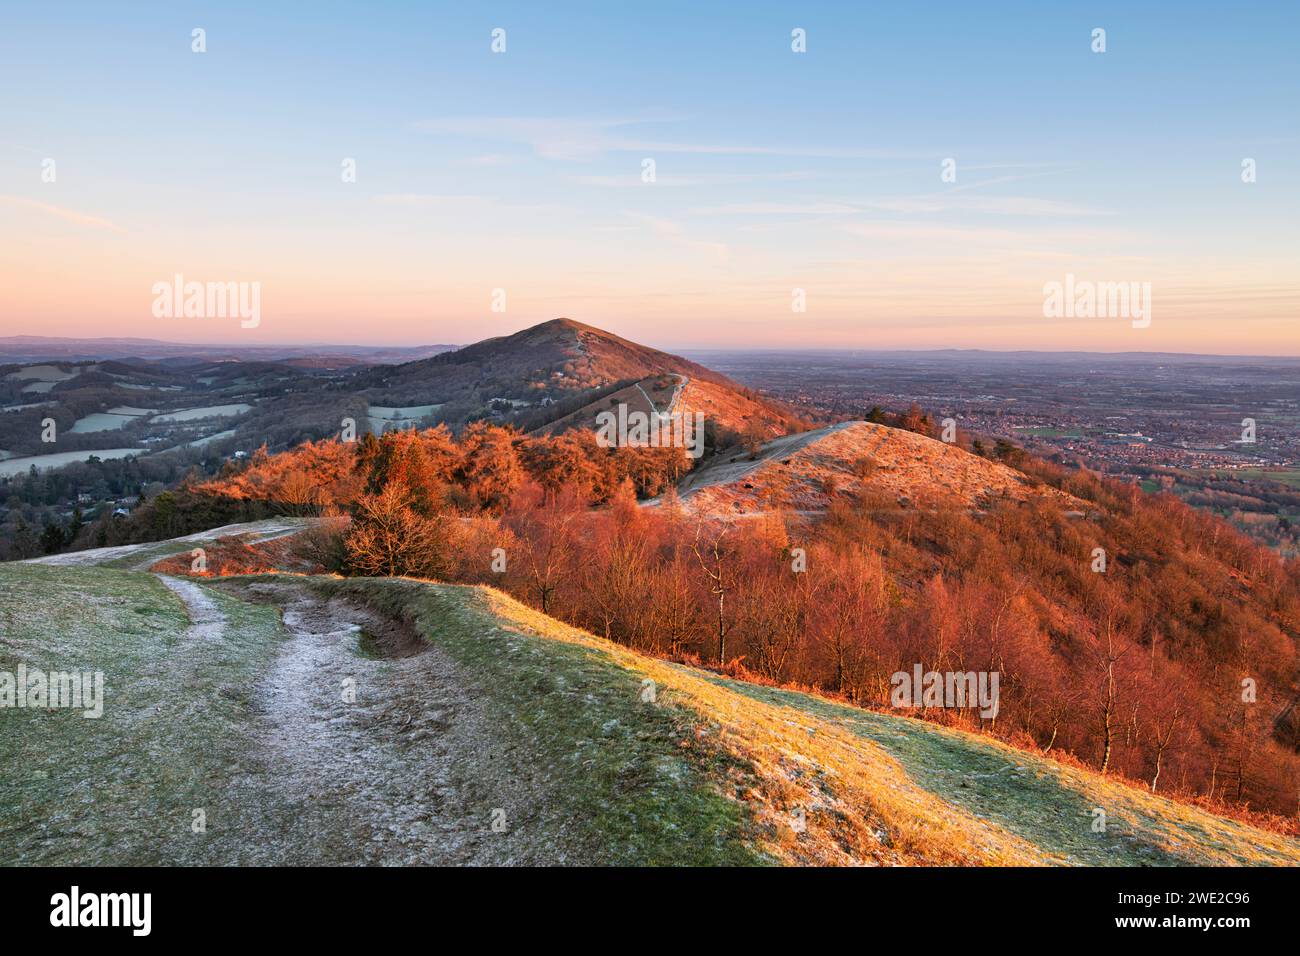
x=481 y=731
x=1132 y=634
x=33 y=348
x=194 y=406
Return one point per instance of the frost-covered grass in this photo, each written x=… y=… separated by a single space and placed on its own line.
x=387 y=417
x=173 y=737
x=391 y=413
x=137 y=557
x=226 y=708
x=226 y=699
x=208 y=411
x=628 y=782
x=873 y=788
x=100 y=422
x=1046 y=803
x=45 y=373
x=209 y=439
x=15 y=466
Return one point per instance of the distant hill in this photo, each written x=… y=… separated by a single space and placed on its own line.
x=560 y=374
x=551 y=359
x=28 y=348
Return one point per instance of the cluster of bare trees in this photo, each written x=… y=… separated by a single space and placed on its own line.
x=480 y=469
x=1138 y=671
x=1177 y=665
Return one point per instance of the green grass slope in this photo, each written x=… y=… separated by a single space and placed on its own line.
x=173 y=738
x=225 y=716
x=228 y=702
x=819 y=782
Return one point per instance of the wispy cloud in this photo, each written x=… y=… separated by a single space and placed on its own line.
x=633 y=180
x=673 y=232
x=906 y=205
x=550 y=137
x=461 y=203
x=810 y=208
x=580 y=138
x=61 y=212
x=1044 y=169
x=490 y=159
x=892 y=231
x=992 y=205
x=426 y=200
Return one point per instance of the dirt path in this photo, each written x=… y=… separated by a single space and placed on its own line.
x=207 y=623
x=677 y=394
x=742 y=465
x=384 y=754
x=672 y=402
x=648 y=400
x=151 y=551
x=257 y=723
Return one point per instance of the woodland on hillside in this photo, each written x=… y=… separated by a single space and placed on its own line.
x=1175 y=667
x=1267 y=510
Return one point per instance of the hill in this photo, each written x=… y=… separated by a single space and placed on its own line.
x=485 y=732
x=1130 y=632
x=189 y=409
x=30 y=348
x=546 y=360
x=855 y=461
x=729 y=413
x=558 y=374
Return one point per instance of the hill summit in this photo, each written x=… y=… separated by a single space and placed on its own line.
x=559 y=374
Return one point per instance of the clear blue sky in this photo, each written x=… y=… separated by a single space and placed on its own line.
x=774 y=170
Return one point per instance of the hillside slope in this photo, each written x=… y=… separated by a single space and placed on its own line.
x=485 y=732
x=552 y=358
x=727 y=411
x=565 y=370
x=807 y=471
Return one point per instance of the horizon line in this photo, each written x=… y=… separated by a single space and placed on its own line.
x=778 y=350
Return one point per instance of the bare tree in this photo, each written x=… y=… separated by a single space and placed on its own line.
x=388 y=538
x=714 y=561
x=546 y=539
x=299 y=491
x=1106 y=662
x=1164 y=725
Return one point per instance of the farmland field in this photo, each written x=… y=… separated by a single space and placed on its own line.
x=208 y=411
x=15 y=466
